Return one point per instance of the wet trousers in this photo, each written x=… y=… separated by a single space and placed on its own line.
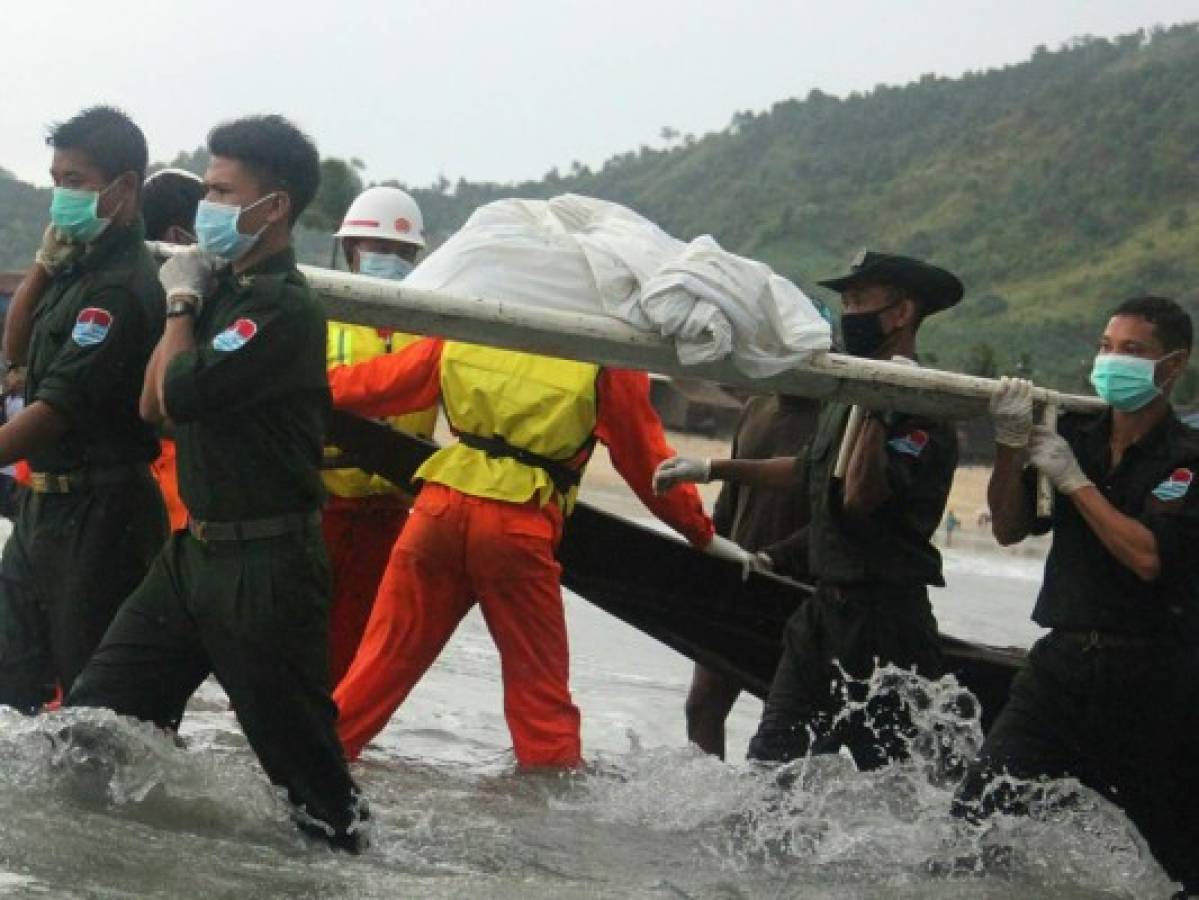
x=852 y=626
x=255 y=614
x=359 y=535
x=1110 y=718
x=70 y=561
x=457 y=549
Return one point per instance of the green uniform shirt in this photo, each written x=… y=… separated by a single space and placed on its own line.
x=894 y=544
x=93 y=332
x=250 y=402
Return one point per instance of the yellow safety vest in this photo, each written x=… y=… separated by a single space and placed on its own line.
x=350 y=344
x=533 y=404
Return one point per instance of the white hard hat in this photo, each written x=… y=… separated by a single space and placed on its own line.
x=387 y=213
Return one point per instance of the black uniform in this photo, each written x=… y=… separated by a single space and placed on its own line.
x=244 y=593
x=871 y=599
x=85 y=534
x=1107 y=694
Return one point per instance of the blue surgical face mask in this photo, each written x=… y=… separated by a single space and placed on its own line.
x=1126 y=382
x=216 y=229
x=383 y=265
x=73 y=213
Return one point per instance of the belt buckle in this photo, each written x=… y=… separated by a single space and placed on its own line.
x=50 y=483
x=198 y=531
x=1094 y=641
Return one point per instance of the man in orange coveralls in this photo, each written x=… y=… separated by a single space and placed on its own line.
x=488 y=520
x=169 y=201
x=381 y=235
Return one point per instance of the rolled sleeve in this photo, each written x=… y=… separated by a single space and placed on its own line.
x=107 y=341
x=1176 y=532
x=919 y=453
x=269 y=364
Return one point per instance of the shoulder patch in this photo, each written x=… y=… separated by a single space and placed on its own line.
x=91 y=326
x=1175 y=487
x=911 y=443
x=235 y=336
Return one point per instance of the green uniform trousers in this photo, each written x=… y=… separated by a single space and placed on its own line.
x=850 y=629
x=255 y=614
x=69 y=563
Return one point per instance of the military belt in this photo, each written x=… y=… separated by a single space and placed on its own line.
x=84 y=479
x=252 y=529
x=1102 y=640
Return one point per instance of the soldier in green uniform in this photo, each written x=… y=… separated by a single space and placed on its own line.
x=243 y=593
x=869 y=534
x=83 y=324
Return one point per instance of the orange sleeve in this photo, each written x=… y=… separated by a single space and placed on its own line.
x=391 y=384
x=628 y=425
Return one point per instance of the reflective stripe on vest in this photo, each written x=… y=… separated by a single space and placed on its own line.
x=542 y=405
x=350 y=344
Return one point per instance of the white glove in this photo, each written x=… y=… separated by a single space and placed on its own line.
x=679 y=469
x=1011 y=411
x=56 y=251
x=188 y=276
x=1050 y=453
x=723 y=548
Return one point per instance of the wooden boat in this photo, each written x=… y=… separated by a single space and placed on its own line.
x=693 y=603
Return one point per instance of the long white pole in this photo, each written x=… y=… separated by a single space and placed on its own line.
x=605 y=340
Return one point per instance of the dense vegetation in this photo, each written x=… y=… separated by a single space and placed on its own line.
x=1054 y=188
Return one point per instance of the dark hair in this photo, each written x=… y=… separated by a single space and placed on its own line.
x=170 y=197
x=1170 y=321
x=109 y=138
x=279 y=155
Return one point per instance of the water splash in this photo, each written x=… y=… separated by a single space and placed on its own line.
x=819 y=821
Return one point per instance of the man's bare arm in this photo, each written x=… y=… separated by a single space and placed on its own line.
x=1011 y=513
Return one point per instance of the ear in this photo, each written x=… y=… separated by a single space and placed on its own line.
x=1173 y=368
x=907 y=313
x=280 y=208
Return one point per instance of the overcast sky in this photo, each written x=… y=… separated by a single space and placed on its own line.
x=494 y=89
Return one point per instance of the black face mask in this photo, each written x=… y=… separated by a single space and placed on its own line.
x=863 y=332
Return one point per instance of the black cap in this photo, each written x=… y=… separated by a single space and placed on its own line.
x=935 y=288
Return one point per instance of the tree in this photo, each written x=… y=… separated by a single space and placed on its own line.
x=981 y=361
x=340 y=184
x=196 y=161
x=669 y=135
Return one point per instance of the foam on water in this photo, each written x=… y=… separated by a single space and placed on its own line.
x=820 y=823
x=94 y=806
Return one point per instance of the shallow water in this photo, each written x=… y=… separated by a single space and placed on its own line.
x=129 y=814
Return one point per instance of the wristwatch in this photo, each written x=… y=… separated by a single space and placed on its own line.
x=181 y=306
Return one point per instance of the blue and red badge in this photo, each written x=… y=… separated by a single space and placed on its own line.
x=235 y=336
x=91 y=326
x=912 y=443
x=1176 y=486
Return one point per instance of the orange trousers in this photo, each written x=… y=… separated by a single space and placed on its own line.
x=164 y=472
x=359 y=535
x=457 y=549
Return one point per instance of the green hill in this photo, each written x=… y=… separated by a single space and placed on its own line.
x=1055 y=188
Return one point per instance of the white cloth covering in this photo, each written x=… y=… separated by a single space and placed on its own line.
x=587 y=255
